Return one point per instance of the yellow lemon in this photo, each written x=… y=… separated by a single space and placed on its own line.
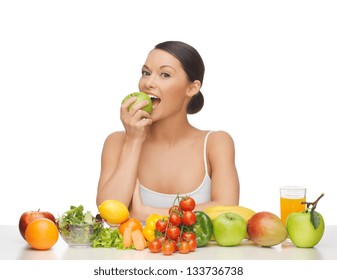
x=113 y=211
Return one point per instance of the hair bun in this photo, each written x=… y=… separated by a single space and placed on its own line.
x=196 y=103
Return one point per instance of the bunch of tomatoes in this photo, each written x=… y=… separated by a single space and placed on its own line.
x=174 y=233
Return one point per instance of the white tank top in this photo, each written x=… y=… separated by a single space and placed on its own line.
x=202 y=194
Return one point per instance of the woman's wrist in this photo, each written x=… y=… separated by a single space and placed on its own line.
x=133 y=145
x=134 y=140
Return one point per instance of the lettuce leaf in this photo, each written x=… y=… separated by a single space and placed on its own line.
x=108 y=238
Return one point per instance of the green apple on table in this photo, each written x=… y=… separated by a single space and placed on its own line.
x=140 y=97
x=306 y=228
x=229 y=229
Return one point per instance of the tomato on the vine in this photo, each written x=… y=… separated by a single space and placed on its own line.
x=168 y=248
x=174 y=209
x=173 y=232
x=189 y=218
x=188 y=235
x=161 y=225
x=193 y=244
x=175 y=219
x=187 y=203
x=174 y=242
x=155 y=246
x=184 y=247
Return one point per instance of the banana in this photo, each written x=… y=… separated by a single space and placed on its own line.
x=215 y=211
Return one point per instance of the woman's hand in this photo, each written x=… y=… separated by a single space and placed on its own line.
x=135 y=120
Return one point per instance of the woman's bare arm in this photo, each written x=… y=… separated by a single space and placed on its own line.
x=119 y=165
x=120 y=155
x=225 y=180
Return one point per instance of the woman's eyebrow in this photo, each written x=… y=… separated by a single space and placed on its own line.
x=163 y=66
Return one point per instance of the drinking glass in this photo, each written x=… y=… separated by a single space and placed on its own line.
x=291 y=199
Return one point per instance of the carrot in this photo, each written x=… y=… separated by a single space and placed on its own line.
x=138 y=239
x=127 y=237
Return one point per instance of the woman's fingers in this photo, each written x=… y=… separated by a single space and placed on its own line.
x=133 y=107
x=125 y=106
x=134 y=119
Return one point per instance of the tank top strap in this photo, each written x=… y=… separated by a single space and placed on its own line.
x=205 y=154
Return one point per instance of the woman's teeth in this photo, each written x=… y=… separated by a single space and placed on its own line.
x=155 y=100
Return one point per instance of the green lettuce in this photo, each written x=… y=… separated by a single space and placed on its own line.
x=108 y=238
x=77 y=226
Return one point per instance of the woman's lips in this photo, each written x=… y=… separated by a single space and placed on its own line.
x=155 y=100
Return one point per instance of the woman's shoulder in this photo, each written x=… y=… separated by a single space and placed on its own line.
x=220 y=141
x=115 y=138
x=220 y=136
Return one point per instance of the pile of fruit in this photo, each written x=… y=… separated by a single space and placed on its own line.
x=182 y=230
x=39 y=229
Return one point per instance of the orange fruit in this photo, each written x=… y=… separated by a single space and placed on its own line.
x=132 y=223
x=41 y=234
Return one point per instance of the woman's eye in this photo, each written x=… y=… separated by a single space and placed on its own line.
x=165 y=75
x=145 y=73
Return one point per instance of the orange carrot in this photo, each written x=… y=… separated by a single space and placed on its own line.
x=138 y=239
x=127 y=237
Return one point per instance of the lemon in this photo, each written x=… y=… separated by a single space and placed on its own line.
x=113 y=211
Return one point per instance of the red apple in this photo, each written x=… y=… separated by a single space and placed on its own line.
x=30 y=216
x=266 y=229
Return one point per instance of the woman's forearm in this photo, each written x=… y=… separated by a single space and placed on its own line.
x=120 y=183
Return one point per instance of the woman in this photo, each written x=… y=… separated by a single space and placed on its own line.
x=162 y=154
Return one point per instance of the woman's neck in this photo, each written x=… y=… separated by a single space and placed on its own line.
x=169 y=131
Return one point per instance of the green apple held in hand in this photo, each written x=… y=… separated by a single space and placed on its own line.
x=229 y=229
x=140 y=97
x=306 y=228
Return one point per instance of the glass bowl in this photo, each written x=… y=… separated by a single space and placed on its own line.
x=80 y=235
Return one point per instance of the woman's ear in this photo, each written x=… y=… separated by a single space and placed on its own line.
x=194 y=88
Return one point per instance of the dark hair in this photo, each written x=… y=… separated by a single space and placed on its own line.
x=192 y=64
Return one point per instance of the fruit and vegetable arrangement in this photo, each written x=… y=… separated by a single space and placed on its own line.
x=183 y=230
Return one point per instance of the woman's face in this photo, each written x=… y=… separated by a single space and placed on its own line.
x=164 y=78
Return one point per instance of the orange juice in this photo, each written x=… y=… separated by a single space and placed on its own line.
x=290 y=205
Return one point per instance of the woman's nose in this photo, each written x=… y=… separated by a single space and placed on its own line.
x=150 y=82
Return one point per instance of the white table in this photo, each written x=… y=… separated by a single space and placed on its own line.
x=14 y=247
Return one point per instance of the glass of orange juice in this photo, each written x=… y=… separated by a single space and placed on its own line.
x=291 y=201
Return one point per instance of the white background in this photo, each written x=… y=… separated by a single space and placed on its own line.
x=271 y=82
